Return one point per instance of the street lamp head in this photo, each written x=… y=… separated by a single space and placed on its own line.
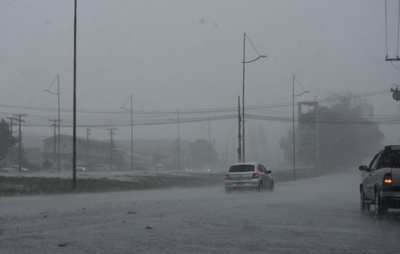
x=295 y=95
x=50 y=92
x=127 y=109
x=260 y=56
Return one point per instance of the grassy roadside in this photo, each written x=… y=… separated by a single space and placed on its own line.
x=16 y=185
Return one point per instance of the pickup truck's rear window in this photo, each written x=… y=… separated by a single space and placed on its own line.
x=241 y=168
x=391 y=160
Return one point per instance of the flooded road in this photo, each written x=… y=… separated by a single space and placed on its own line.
x=318 y=215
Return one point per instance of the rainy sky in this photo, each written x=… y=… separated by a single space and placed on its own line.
x=186 y=56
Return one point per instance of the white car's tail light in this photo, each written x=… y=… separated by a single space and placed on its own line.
x=226 y=177
x=255 y=175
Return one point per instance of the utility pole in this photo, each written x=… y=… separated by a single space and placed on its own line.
x=316 y=135
x=243 y=116
x=11 y=130
x=19 y=119
x=58 y=143
x=59 y=122
x=131 y=111
x=131 y=134
x=239 y=149
x=111 y=132
x=176 y=154
x=74 y=104
x=209 y=145
x=179 y=144
x=87 y=145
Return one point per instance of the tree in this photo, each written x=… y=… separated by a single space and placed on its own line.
x=202 y=153
x=346 y=134
x=6 y=139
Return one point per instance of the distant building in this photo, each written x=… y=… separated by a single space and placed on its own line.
x=147 y=155
x=151 y=153
x=307 y=137
x=90 y=152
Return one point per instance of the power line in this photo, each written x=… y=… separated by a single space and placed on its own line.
x=113 y=118
x=172 y=112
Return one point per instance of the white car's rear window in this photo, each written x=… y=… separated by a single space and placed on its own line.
x=241 y=168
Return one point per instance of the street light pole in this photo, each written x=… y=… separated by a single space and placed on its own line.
x=209 y=145
x=239 y=149
x=243 y=109
x=244 y=70
x=58 y=118
x=74 y=104
x=131 y=135
x=87 y=146
x=179 y=144
x=294 y=132
x=112 y=133
x=54 y=140
x=131 y=110
x=58 y=121
x=294 y=138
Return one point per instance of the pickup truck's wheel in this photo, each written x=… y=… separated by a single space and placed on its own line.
x=364 y=205
x=380 y=208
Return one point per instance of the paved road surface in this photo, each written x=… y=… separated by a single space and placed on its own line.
x=319 y=215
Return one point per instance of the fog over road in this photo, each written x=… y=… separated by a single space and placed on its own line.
x=318 y=215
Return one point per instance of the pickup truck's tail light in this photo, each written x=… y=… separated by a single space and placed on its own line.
x=387 y=179
x=226 y=177
x=255 y=175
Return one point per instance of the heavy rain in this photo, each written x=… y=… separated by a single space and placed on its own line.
x=120 y=120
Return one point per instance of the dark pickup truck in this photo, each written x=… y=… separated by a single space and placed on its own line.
x=381 y=182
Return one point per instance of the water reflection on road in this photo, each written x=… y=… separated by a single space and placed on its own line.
x=318 y=215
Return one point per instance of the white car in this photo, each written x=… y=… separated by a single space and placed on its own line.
x=81 y=167
x=248 y=176
x=14 y=168
x=22 y=168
